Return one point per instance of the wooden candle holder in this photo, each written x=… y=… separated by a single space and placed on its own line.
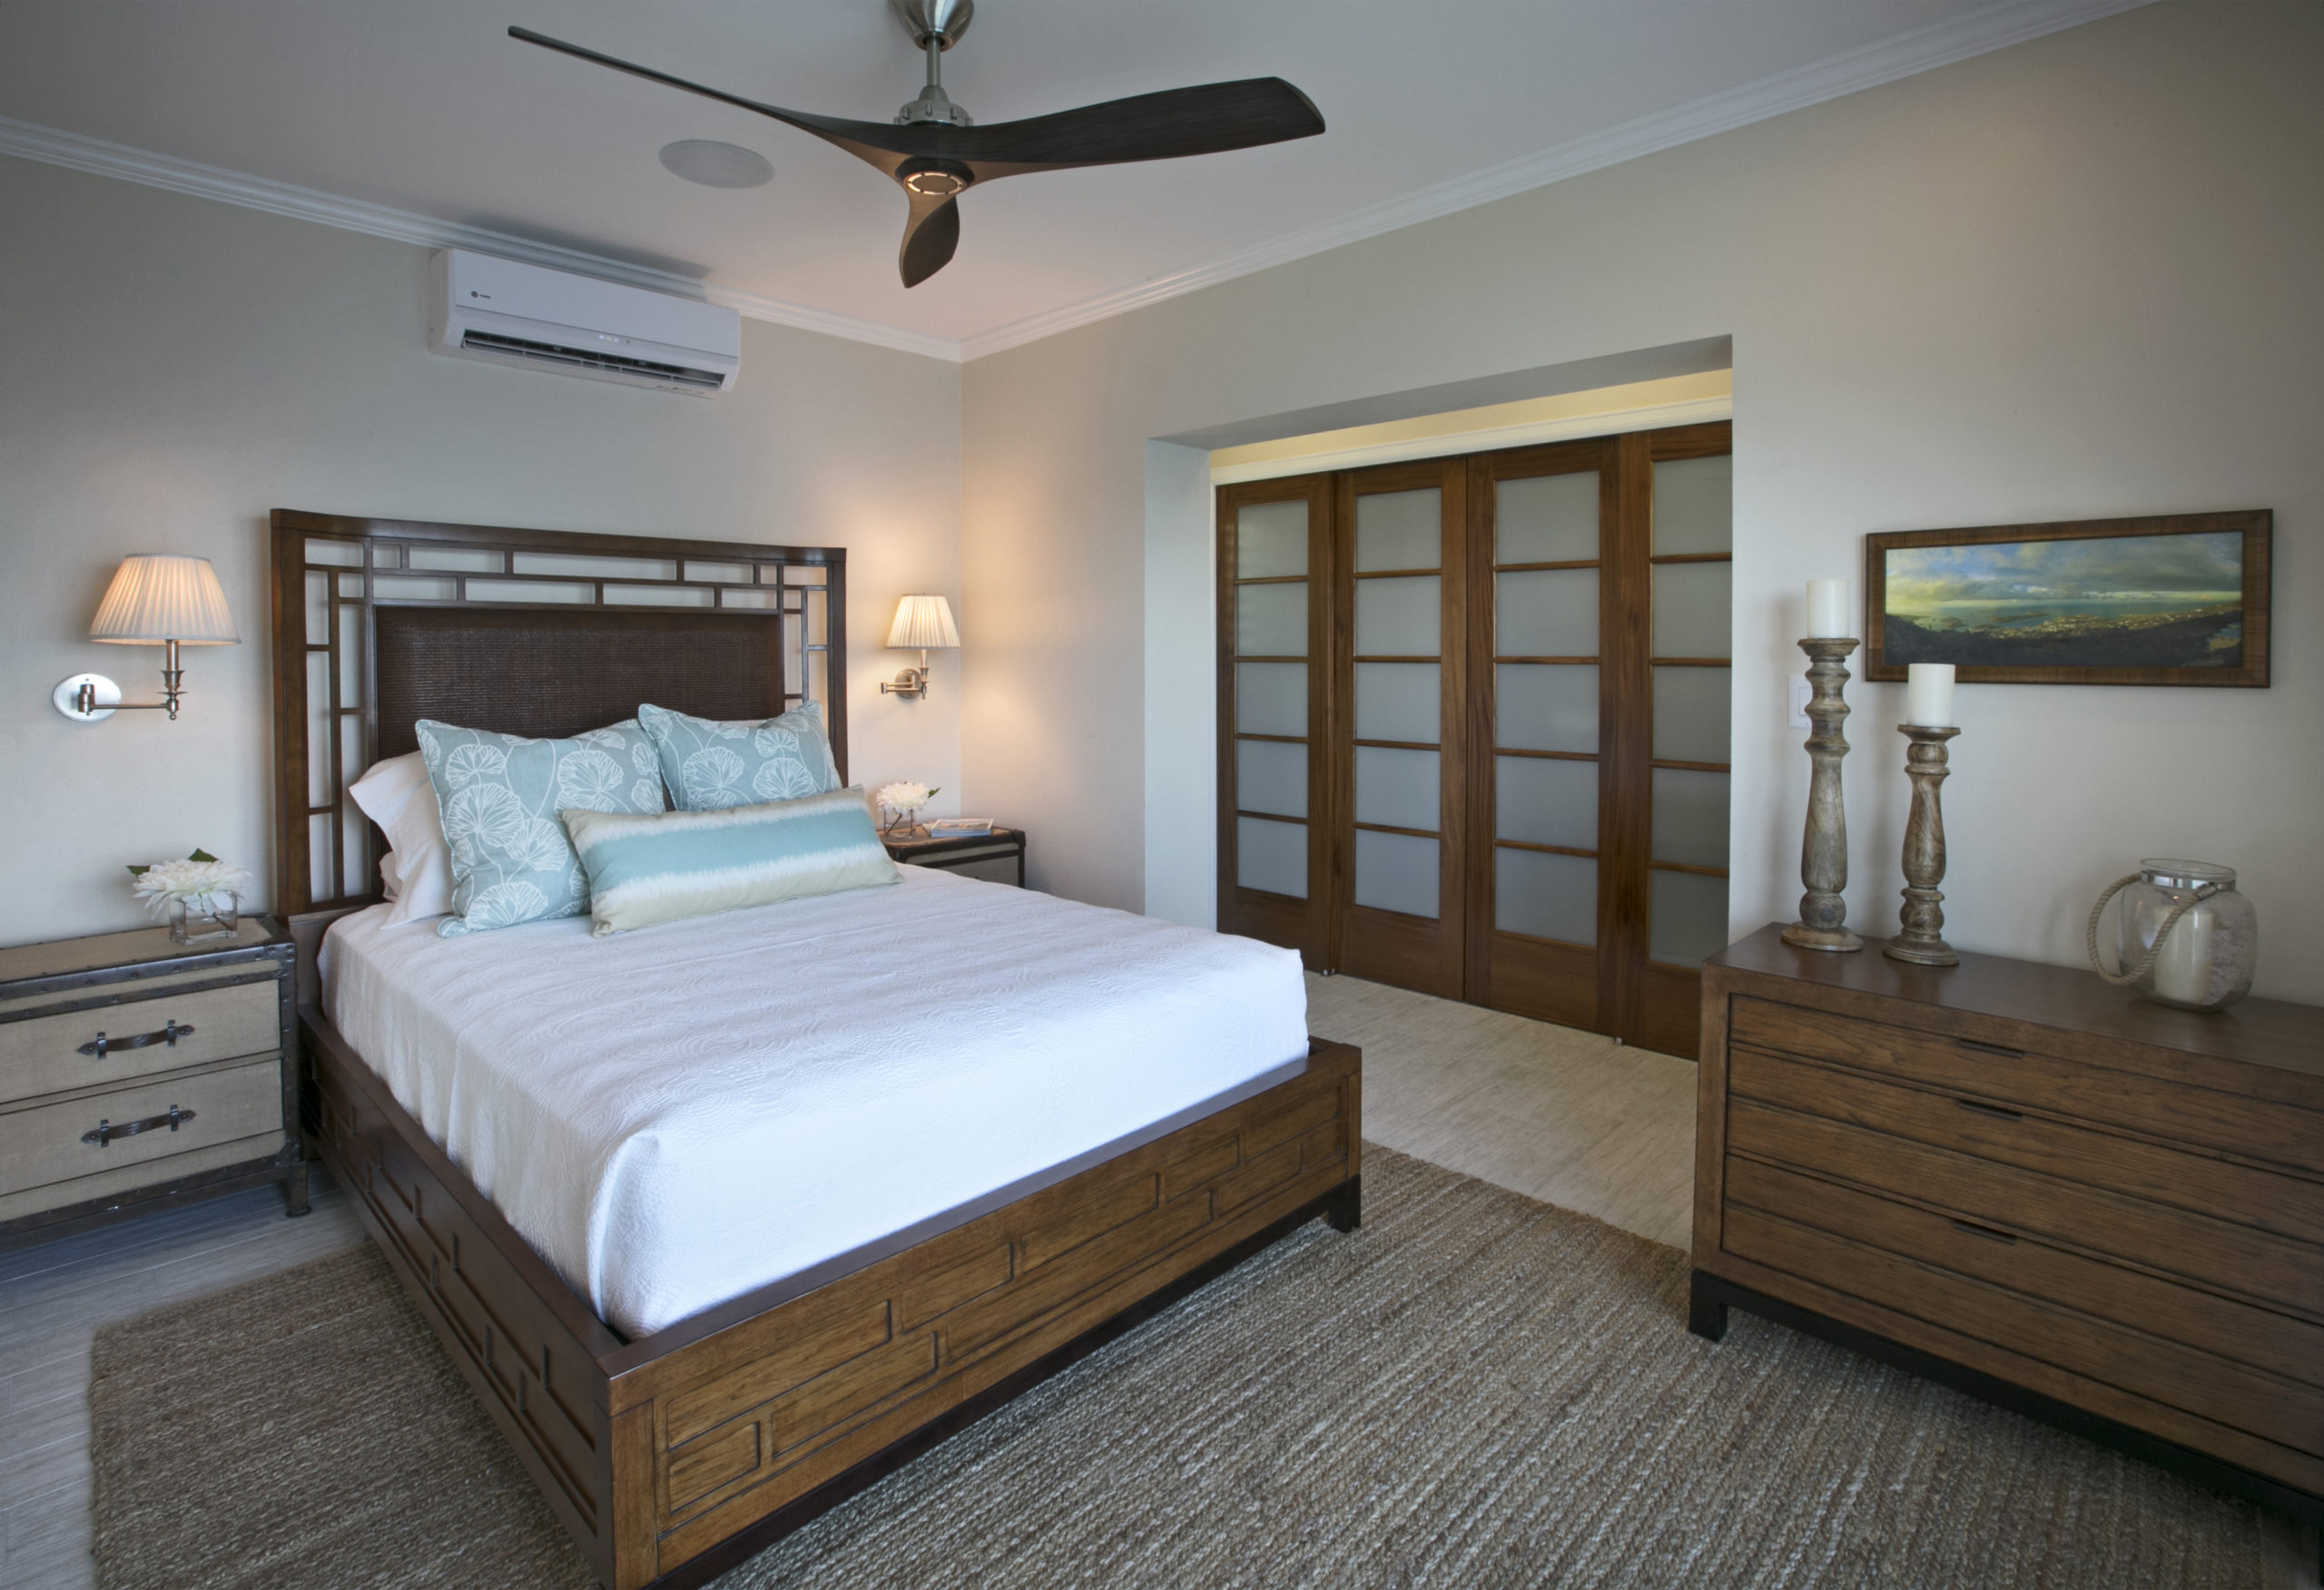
x=1824 y=850
x=1921 y=938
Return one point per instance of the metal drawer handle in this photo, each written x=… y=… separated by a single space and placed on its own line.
x=1990 y=1235
x=106 y=1131
x=2005 y=1054
x=101 y=1045
x=1995 y=1111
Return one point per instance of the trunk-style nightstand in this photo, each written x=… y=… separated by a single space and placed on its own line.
x=137 y=1074
x=997 y=856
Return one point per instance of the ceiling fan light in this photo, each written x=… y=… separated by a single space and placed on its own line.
x=934 y=179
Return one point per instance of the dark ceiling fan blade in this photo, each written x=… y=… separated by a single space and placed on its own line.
x=873 y=142
x=1210 y=119
x=931 y=234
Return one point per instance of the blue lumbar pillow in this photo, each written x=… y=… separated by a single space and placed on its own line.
x=645 y=870
x=500 y=795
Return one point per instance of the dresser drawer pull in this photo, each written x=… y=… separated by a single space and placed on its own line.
x=1990 y=1235
x=1995 y=1111
x=106 y=1131
x=1991 y=1049
x=101 y=1045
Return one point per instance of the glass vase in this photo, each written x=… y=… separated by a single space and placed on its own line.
x=2207 y=959
x=204 y=918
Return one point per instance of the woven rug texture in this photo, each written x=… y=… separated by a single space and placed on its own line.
x=1476 y=1389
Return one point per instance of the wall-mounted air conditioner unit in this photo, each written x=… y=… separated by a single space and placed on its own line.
x=508 y=313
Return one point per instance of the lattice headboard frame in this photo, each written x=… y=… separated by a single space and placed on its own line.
x=379 y=621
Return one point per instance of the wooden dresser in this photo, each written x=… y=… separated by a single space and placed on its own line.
x=137 y=1074
x=2033 y=1186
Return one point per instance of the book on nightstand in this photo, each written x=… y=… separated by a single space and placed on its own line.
x=960 y=827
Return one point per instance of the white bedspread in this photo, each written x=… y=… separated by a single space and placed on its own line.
x=675 y=1117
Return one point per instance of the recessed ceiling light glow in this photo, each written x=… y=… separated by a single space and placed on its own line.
x=715 y=164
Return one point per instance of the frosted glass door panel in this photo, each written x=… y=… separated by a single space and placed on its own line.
x=1546 y=613
x=1398 y=618
x=1271 y=621
x=1399 y=700
x=1694 y=506
x=1546 y=706
x=1271 y=856
x=1547 y=896
x=1551 y=519
x=1271 y=698
x=1400 y=530
x=1690 y=817
x=1546 y=802
x=1395 y=872
x=1271 y=777
x=1693 y=608
x=1397 y=788
x=1270 y=538
x=1690 y=714
x=1688 y=918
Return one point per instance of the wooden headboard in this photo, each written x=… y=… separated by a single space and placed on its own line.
x=379 y=623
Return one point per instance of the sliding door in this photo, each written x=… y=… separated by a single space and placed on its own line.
x=1274 y=839
x=1503 y=679
x=1399 y=666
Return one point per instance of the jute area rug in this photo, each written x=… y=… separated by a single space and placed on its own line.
x=1476 y=1388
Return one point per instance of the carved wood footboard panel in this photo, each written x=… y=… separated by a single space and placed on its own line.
x=673 y=1457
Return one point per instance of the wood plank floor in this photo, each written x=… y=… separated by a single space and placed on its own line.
x=1565 y=1116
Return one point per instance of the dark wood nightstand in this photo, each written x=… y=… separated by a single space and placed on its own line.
x=997 y=856
x=137 y=1074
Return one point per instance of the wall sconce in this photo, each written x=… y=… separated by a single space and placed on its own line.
x=154 y=600
x=922 y=622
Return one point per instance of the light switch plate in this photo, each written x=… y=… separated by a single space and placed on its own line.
x=1802 y=692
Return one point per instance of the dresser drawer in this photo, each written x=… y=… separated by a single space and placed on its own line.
x=43 y=1143
x=2182 y=1112
x=2285 y=1412
x=43 y=1054
x=2234 y=1259
x=2259 y=1337
x=2289 y=1206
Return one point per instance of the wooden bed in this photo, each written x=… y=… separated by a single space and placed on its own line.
x=673 y=1457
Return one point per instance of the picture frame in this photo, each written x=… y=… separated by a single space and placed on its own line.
x=2179 y=599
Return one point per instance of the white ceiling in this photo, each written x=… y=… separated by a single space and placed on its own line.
x=424 y=113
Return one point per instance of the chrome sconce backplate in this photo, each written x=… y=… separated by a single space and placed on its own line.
x=87 y=698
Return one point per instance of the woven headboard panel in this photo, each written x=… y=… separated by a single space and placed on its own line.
x=379 y=622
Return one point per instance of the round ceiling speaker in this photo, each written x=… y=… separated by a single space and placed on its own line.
x=717 y=165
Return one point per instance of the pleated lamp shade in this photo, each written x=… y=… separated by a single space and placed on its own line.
x=158 y=596
x=924 y=623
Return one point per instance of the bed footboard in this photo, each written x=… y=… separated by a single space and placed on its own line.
x=671 y=1458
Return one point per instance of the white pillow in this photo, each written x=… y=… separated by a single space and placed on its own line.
x=417 y=867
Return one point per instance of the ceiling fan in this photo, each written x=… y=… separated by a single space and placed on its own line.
x=935 y=152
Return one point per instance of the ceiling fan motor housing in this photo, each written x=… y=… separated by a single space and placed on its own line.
x=935 y=25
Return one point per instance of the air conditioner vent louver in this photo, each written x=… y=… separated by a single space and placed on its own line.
x=585 y=358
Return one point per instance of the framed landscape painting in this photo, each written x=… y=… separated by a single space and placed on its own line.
x=2182 y=600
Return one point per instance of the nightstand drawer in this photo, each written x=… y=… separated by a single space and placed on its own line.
x=141 y=1037
x=1968 y=1123
x=45 y=1143
x=2015 y=1074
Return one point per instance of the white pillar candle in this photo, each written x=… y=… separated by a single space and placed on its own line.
x=1827 y=610
x=2182 y=967
x=1928 y=695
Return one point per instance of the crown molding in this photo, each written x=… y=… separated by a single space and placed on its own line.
x=1996 y=27
x=1486 y=440
x=70 y=150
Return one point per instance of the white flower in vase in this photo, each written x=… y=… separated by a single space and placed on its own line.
x=902 y=801
x=201 y=892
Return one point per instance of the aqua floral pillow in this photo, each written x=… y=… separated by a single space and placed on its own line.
x=711 y=766
x=500 y=794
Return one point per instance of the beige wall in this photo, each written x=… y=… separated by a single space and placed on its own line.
x=2075 y=278
x=171 y=369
